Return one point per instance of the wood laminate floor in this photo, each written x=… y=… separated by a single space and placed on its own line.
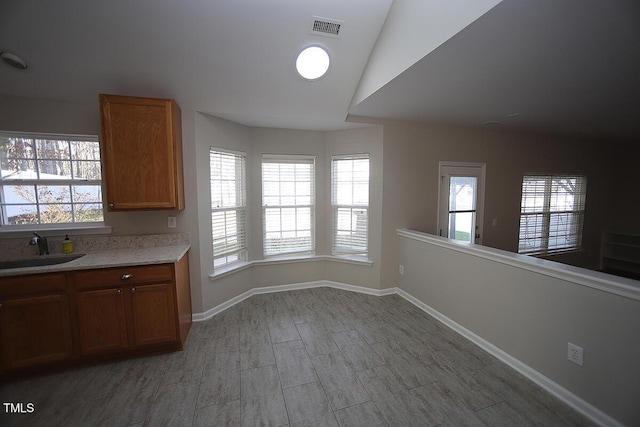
x=315 y=357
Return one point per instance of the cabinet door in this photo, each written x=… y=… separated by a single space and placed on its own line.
x=35 y=330
x=142 y=153
x=154 y=314
x=102 y=321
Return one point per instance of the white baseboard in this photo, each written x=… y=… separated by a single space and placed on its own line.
x=580 y=405
x=200 y=317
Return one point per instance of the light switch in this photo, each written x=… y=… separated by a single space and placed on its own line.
x=171 y=222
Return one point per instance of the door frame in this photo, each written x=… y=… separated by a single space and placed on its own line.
x=480 y=169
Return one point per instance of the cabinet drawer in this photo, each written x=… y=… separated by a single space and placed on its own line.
x=33 y=284
x=120 y=276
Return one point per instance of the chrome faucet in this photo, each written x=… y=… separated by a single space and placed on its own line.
x=43 y=244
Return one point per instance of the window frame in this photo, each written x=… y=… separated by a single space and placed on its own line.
x=43 y=182
x=547 y=213
x=348 y=251
x=289 y=159
x=240 y=235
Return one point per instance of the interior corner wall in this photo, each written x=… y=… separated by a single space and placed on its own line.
x=215 y=132
x=410 y=188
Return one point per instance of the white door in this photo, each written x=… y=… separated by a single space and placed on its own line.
x=461 y=197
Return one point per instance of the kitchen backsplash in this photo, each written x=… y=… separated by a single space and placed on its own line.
x=20 y=248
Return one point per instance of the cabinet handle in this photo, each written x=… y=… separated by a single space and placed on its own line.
x=126 y=276
x=118 y=291
x=133 y=290
x=111 y=205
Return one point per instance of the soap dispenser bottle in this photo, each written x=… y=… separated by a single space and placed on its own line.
x=67 y=245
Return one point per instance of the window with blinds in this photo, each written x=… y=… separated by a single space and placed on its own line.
x=350 y=204
x=552 y=213
x=228 y=206
x=288 y=204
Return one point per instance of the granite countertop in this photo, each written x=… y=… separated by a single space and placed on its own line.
x=98 y=252
x=108 y=258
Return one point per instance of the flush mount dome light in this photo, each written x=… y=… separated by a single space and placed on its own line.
x=312 y=62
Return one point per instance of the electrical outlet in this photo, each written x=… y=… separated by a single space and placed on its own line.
x=171 y=222
x=575 y=354
x=401 y=270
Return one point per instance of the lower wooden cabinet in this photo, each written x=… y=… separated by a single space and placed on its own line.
x=102 y=321
x=35 y=321
x=76 y=316
x=35 y=330
x=126 y=317
x=130 y=309
x=152 y=314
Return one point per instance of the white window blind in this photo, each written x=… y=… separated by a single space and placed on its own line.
x=288 y=204
x=228 y=206
x=49 y=179
x=350 y=204
x=552 y=213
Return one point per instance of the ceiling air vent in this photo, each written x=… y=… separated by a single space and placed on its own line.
x=326 y=27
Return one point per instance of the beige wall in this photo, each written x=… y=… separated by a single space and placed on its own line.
x=410 y=188
x=404 y=169
x=624 y=204
x=532 y=317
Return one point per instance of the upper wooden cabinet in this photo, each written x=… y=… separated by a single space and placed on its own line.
x=142 y=153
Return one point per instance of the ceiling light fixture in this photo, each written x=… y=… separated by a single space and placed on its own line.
x=312 y=62
x=13 y=60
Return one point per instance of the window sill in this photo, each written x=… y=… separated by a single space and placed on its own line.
x=53 y=230
x=243 y=265
x=352 y=259
x=229 y=269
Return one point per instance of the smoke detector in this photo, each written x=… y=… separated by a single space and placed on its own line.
x=13 y=60
x=326 y=27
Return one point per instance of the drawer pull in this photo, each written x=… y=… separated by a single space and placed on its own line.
x=133 y=290
x=118 y=291
x=126 y=276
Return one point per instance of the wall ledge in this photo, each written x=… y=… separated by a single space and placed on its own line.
x=593 y=279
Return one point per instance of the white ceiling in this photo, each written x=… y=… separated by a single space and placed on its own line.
x=569 y=66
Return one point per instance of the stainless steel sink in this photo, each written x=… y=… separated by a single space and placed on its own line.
x=39 y=261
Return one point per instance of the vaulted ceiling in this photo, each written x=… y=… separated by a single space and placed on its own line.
x=568 y=66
